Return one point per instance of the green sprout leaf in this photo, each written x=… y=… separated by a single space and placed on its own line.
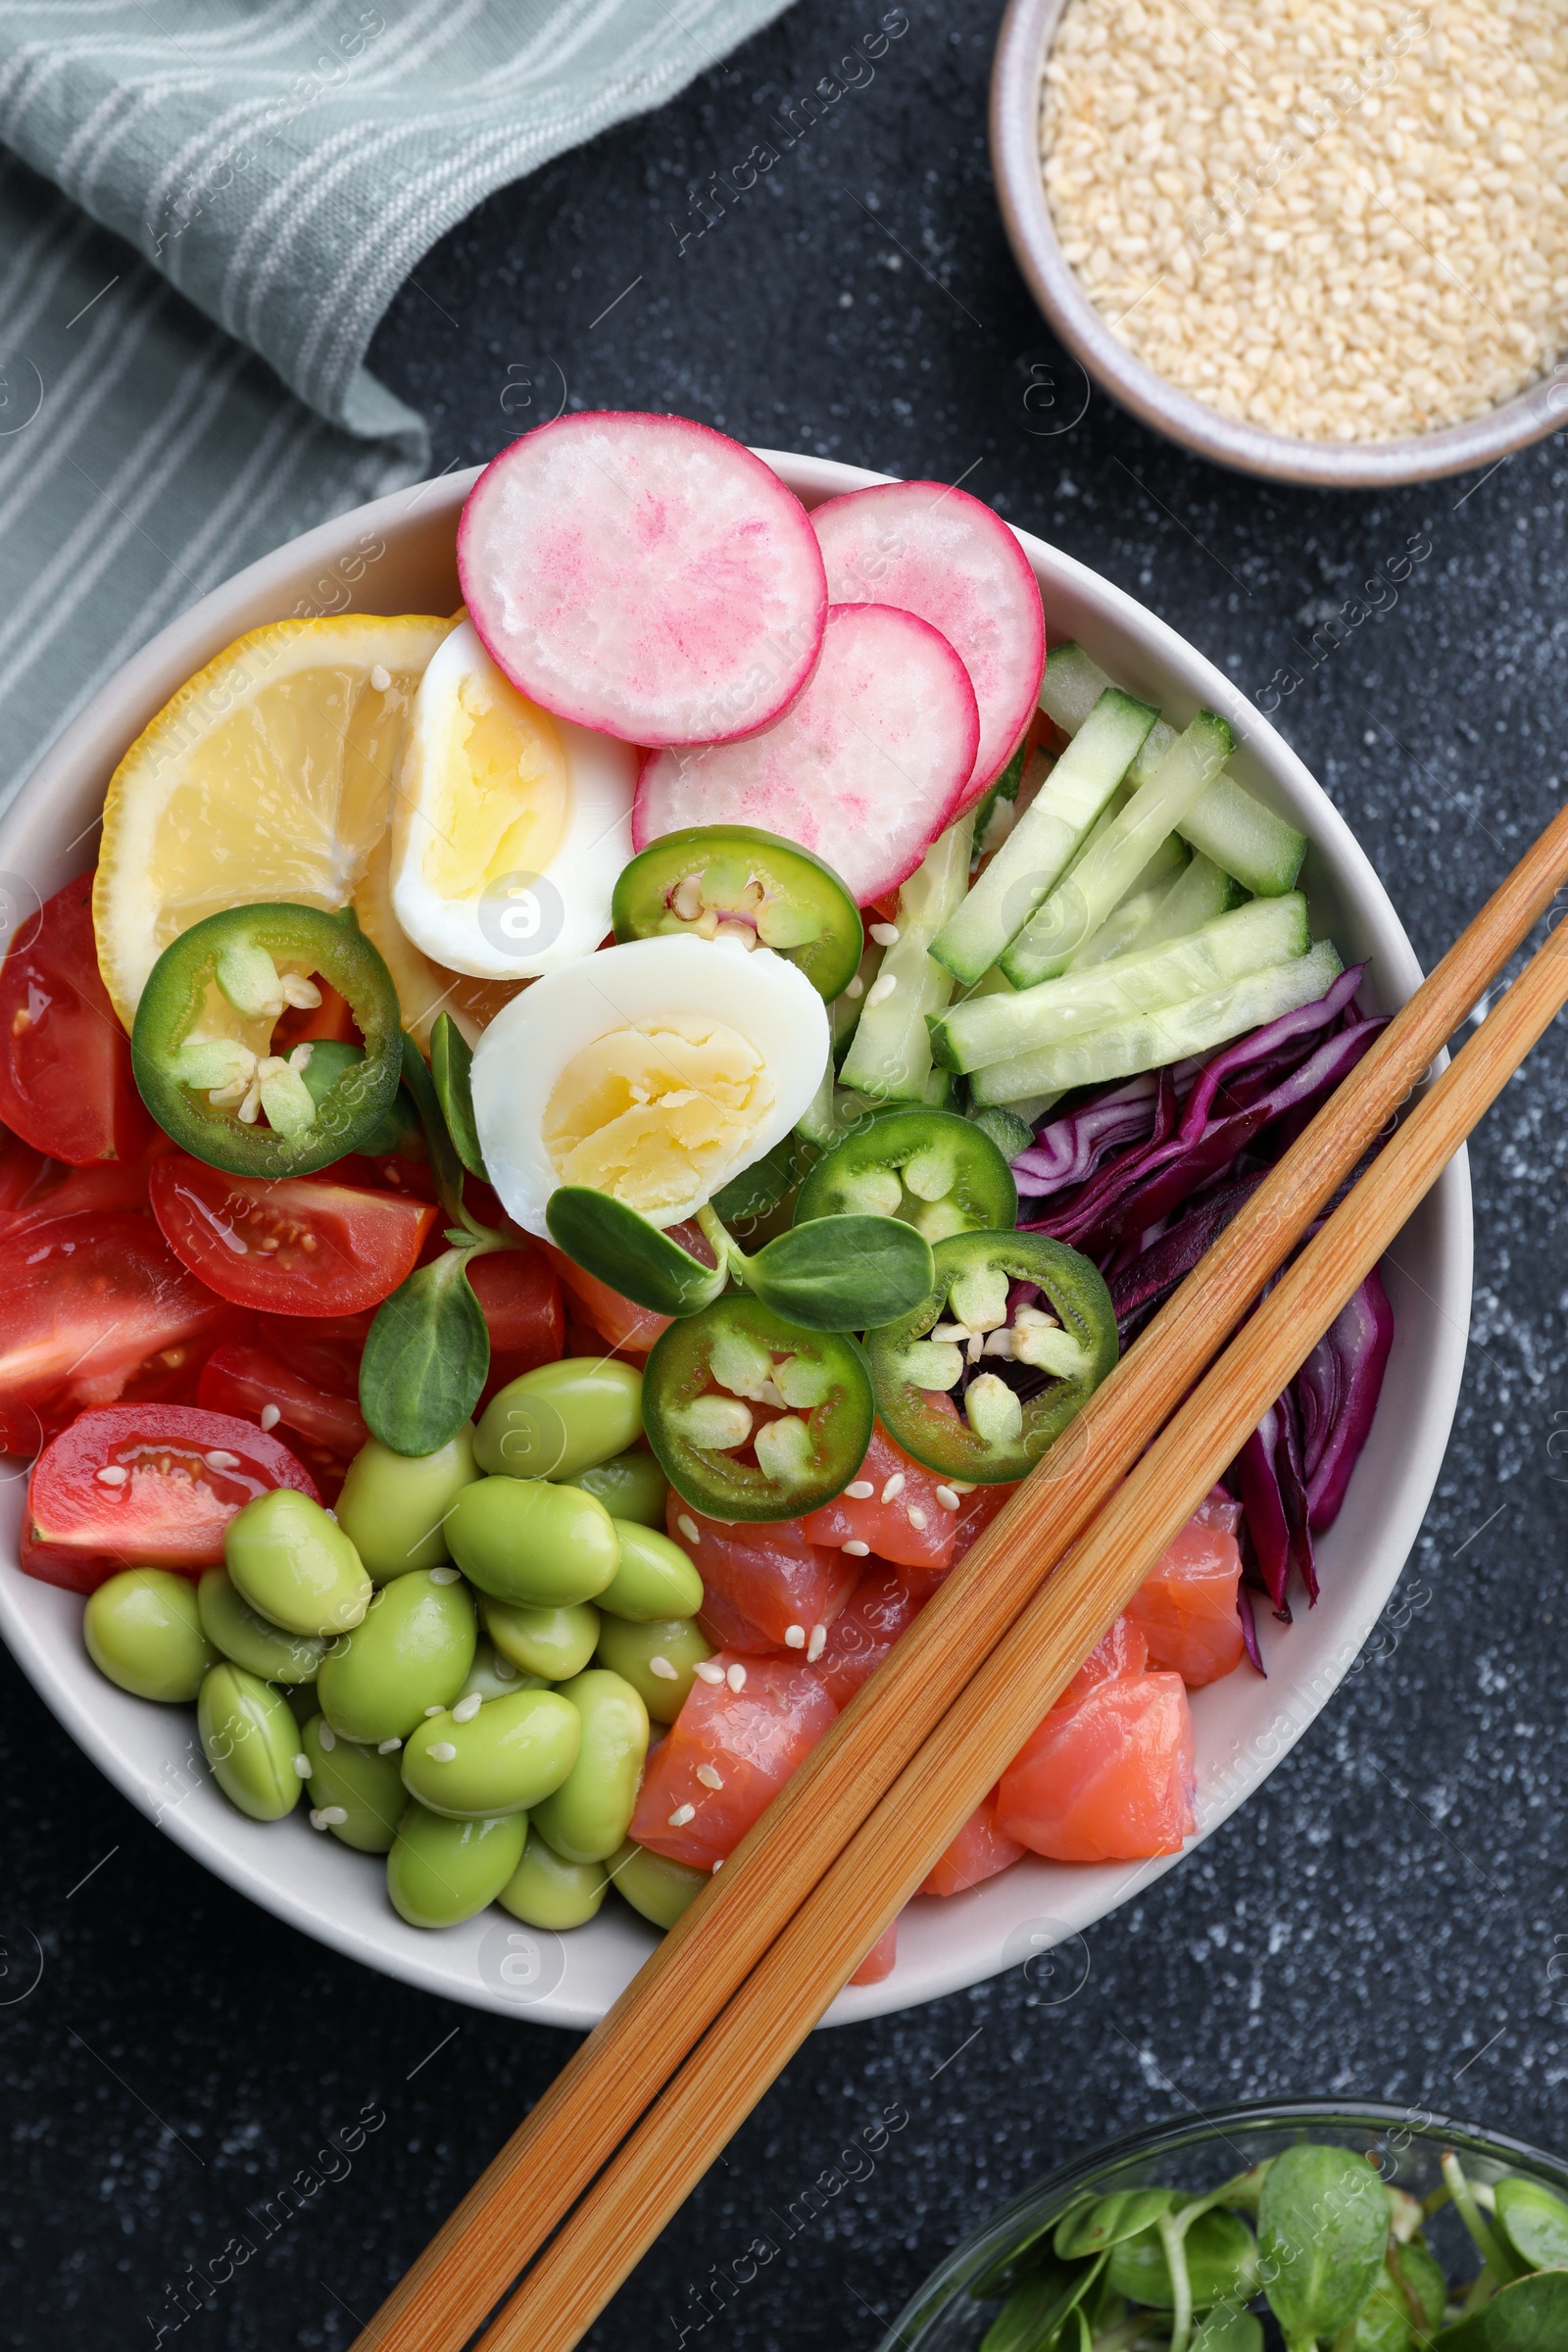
x=1534 y=2222
x=425 y=1359
x=616 y=1245
x=842 y=1273
x=445 y=1164
x=1226 y=2330
x=1221 y=2263
x=760 y=1186
x=1033 y=2316
x=1126 y=2213
x=1322 y=2226
x=451 y=1073
x=1529 y=2316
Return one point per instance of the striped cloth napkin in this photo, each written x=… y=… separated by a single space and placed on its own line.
x=203 y=205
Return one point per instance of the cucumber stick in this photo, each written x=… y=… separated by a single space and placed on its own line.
x=1149 y=1040
x=1127 y=926
x=1100 y=879
x=1225 y=822
x=1194 y=898
x=890 y=1053
x=1036 y=853
x=999 y=1028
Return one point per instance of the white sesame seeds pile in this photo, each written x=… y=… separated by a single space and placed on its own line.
x=1338 y=221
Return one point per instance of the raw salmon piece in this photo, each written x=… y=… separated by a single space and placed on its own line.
x=1108 y=1779
x=726 y=1627
x=882 y=1604
x=975 y=1514
x=728 y=1752
x=766 y=1571
x=1187 y=1608
x=978 y=1852
x=908 y=1526
x=1120 y=1653
x=879 y=1960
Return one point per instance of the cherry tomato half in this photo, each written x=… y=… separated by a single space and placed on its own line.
x=294 y=1244
x=145 y=1486
x=64 y=1061
x=521 y=1297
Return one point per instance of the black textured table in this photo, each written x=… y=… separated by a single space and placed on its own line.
x=1387 y=1916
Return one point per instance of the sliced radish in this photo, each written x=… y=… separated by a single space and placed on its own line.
x=644 y=575
x=947 y=557
x=865 y=767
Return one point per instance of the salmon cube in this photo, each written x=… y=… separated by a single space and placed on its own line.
x=768 y=1571
x=1185 y=1610
x=898 y=1517
x=978 y=1852
x=1108 y=1778
x=727 y=1753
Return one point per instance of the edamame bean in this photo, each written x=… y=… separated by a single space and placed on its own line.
x=507 y=1755
x=414 y=1651
x=585 y=1817
x=143 y=1629
x=630 y=1486
x=554 y=1644
x=393 y=1506
x=354 y=1792
x=296 y=1565
x=521 y=1538
x=548 y=1893
x=251 y=1739
x=655 y=1577
x=560 y=1418
x=441 y=1871
x=492 y=1676
x=659 y=1659
x=242 y=1633
x=661 y=1890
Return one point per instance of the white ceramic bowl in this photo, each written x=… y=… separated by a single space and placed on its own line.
x=397 y=556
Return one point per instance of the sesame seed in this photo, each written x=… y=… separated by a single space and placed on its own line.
x=429 y=1711
x=886 y=934
x=795 y=1636
x=895 y=1486
x=735 y=1676
x=689 y=1529
x=708 y=1671
x=506 y=1672
x=318 y=1820
x=666 y=1673
x=947 y=1497
x=301 y=1765
x=389 y=1747
x=681 y=1816
x=918 y=1517
x=441 y=1751
x=856 y=1548
x=446 y=1576
x=270 y=1417
x=328 y=1737
x=717 y=1867
x=220 y=1459
x=467 y=1708
x=816 y=1644
x=111 y=1475
x=861 y=1491
x=880 y=990
x=709 y=1777
x=380 y=677
x=856 y=987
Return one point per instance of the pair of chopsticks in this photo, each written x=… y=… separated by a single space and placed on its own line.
x=637 y=2115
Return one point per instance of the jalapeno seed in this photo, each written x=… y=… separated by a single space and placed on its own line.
x=546 y=1891
x=661 y=1890
x=560 y=1418
x=441 y=1871
x=143 y=1629
x=655 y=1577
x=660 y=1659
x=358 y=1792
x=553 y=1644
x=585 y=1817
x=630 y=1486
x=244 y=1635
x=393 y=1506
x=250 y=1738
x=414 y=1650
x=295 y=1565
x=524 y=1540
x=504 y=1758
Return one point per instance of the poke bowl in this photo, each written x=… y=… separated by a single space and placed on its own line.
x=398 y=555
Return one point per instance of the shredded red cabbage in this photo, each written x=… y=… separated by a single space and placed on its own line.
x=1338 y=1390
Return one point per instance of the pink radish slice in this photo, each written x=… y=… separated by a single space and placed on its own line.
x=644 y=575
x=947 y=557
x=865 y=767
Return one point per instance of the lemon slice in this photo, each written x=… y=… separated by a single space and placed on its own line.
x=269 y=776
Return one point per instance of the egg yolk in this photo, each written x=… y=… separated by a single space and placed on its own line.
x=501 y=797
x=659 y=1113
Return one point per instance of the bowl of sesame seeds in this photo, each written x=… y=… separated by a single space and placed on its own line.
x=1324 y=241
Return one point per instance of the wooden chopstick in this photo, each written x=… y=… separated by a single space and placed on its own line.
x=575 y=2127
x=875 y=1875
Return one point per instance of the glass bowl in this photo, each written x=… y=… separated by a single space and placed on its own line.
x=1407 y=2142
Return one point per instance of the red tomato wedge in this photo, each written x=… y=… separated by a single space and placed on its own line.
x=521 y=1297
x=897 y=1515
x=102 y=1187
x=767 y=1572
x=881 y=1959
x=64 y=1061
x=293 y=1246
x=1108 y=1779
x=1186 y=1610
x=749 y=1740
x=86 y=1306
x=22 y=1168
x=978 y=1852
x=860 y=1636
x=246 y=1380
x=619 y=1320
x=145 y=1486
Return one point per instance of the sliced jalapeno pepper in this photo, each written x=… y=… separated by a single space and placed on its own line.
x=977 y=1388
x=201 y=1052
x=801 y=1444
x=709 y=878
x=940 y=1173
